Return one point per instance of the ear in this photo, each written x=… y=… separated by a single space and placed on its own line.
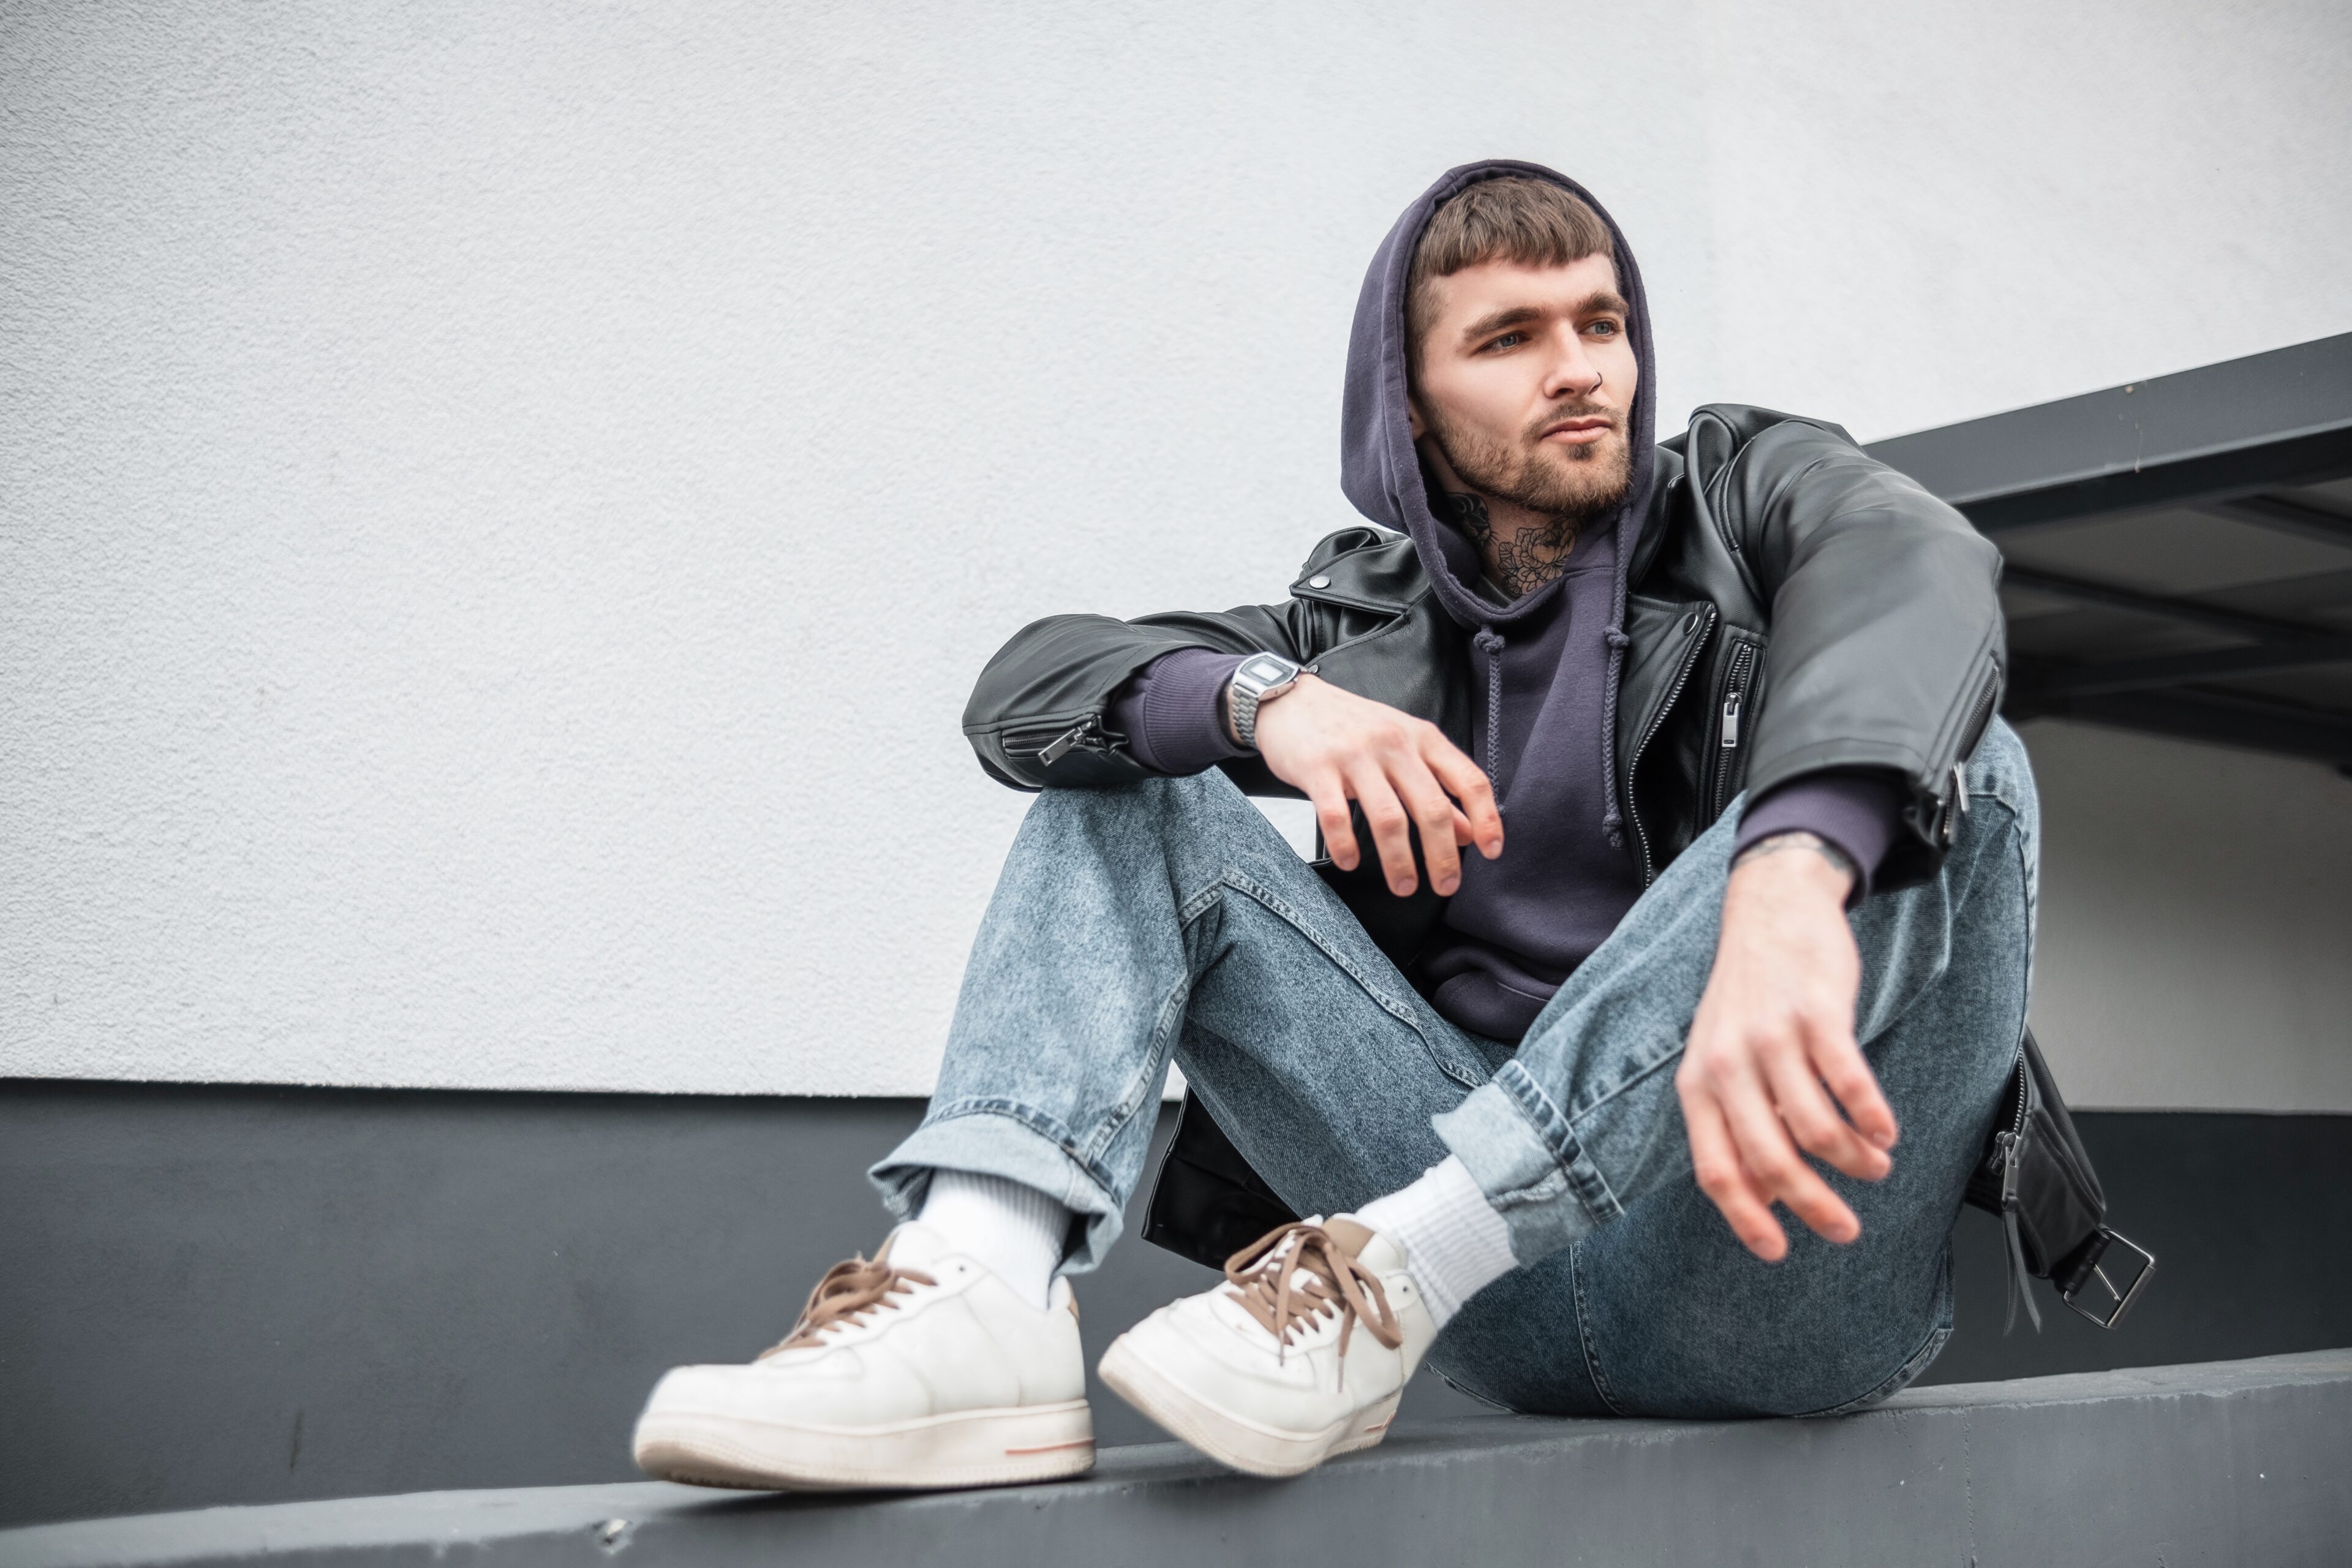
x=1413 y=412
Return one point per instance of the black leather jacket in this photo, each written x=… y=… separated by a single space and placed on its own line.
x=1793 y=606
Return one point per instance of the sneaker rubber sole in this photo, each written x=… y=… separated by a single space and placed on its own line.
x=1231 y=1438
x=970 y=1449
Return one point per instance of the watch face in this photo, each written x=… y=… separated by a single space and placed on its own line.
x=1267 y=670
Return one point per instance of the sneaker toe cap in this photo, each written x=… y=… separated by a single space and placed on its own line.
x=1200 y=1348
x=808 y=1392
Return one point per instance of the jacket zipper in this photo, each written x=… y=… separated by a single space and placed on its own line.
x=2009 y=1149
x=1956 y=800
x=1633 y=766
x=1981 y=714
x=1052 y=745
x=2008 y=1143
x=1743 y=664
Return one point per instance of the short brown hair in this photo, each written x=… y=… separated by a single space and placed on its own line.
x=1511 y=218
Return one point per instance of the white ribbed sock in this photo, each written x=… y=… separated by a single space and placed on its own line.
x=1456 y=1245
x=1016 y=1232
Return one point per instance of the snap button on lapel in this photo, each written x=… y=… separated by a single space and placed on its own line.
x=1319 y=582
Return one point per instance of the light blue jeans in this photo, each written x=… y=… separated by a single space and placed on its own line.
x=1169 y=920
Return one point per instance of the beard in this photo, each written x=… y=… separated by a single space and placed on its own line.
x=1571 y=485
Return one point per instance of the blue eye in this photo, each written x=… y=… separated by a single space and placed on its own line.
x=1509 y=340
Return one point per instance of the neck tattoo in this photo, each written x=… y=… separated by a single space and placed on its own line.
x=1520 y=562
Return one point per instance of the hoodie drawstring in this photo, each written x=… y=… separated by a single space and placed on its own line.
x=1490 y=642
x=1612 y=820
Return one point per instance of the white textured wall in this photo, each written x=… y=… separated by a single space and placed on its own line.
x=1925 y=213
x=500 y=506
x=2196 y=920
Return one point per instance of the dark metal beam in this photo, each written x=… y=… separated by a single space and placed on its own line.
x=2182 y=669
x=2298 y=460
x=2221 y=719
x=2209 y=617
x=2284 y=516
x=2265 y=422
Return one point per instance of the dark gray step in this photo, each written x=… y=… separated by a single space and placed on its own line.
x=220 y=1295
x=2244 y=1462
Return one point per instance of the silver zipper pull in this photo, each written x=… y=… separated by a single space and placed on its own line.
x=1060 y=746
x=1731 y=720
x=1961 y=786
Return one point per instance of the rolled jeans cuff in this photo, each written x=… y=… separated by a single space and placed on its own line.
x=1524 y=1155
x=1005 y=1138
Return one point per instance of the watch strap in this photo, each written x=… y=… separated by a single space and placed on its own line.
x=1243 y=698
x=1244 y=694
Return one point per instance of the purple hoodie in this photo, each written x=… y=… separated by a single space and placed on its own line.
x=1549 y=663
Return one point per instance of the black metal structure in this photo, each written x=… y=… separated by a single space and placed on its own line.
x=2180 y=549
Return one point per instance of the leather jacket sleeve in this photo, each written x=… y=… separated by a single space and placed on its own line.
x=1887 y=643
x=1038 y=714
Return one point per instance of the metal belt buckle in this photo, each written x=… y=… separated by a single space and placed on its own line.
x=2124 y=1297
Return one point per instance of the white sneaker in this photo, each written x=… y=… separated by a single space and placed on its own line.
x=918 y=1369
x=1301 y=1354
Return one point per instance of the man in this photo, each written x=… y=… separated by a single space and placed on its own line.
x=1674 y=861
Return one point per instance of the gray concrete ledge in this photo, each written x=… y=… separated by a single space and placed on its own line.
x=2229 y=1462
x=213 y=1296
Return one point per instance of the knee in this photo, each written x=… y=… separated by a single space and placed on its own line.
x=1145 y=809
x=1150 y=795
x=2001 y=770
x=1996 y=838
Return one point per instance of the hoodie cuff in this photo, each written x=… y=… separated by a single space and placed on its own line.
x=1855 y=809
x=1172 y=712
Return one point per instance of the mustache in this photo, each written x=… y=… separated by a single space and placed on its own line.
x=1579 y=409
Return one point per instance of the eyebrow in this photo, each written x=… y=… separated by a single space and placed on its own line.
x=1601 y=302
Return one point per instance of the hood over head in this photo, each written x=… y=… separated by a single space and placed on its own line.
x=1380 y=468
x=1380 y=471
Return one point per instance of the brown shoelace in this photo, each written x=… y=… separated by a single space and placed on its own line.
x=847 y=1292
x=1298 y=1272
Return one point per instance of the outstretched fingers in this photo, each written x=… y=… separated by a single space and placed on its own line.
x=1329 y=794
x=1724 y=1178
x=1467 y=783
x=1838 y=1061
x=1745 y=1160
x=1768 y=1152
x=1433 y=813
x=1385 y=814
x=1814 y=1122
x=1400 y=772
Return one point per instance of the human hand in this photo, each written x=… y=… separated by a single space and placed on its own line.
x=1775 y=1026
x=1336 y=746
